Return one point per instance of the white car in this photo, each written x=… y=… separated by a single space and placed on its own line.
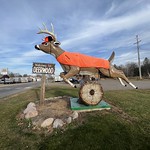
x=58 y=79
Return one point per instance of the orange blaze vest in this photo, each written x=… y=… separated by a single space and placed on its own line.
x=83 y=61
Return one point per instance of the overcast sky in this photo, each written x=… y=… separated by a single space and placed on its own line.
x=91 y=27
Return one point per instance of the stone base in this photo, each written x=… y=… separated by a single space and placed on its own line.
x=81 y=107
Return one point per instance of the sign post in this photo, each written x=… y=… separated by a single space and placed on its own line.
x=43 y=68
x=42 y=93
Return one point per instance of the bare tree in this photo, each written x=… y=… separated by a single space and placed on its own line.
x=146 y=67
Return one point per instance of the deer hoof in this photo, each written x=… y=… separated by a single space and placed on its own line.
x=75 y=86
x=136 y=88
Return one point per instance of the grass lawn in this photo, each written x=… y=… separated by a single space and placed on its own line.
x=97 y=130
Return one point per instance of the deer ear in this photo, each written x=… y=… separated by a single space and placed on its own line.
x=57 y=43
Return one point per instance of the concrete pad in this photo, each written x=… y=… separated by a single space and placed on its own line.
x=81 y=107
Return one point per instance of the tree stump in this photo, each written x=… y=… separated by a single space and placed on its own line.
x=90 y=93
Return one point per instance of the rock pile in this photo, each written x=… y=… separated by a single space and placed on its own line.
x=31 y=113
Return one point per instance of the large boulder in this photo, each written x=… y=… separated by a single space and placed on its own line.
x=58 y=123
x=30 y=111
x=31 y=114
x=30 y=106
x=47 y=122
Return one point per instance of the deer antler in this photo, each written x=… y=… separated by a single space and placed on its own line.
x=45 y=30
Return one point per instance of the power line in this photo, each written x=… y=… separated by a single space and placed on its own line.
x=138 y=51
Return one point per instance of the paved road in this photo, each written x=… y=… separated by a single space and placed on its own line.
x=111 y=84
x=7 y=90
x=108 y=84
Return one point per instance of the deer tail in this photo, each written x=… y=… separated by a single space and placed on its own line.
x=111 y=58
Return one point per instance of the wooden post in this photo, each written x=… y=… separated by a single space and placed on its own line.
x=42 y=94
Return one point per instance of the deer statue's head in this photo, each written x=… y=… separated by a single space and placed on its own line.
x=50 y=44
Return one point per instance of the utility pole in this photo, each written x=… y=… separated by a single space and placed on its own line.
x=138 y=48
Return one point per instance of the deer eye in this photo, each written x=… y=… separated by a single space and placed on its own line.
x=57 y=43
x=45 y=44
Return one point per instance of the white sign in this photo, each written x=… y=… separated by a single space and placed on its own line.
x=43 y=68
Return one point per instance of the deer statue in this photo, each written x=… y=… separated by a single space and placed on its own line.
x=76 y=63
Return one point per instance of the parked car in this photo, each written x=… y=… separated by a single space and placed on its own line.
x=8 y=81
x=30 y=79
x=58 y=79
x=24 y=80
x=17 y=80
x=74 y=80
x=1 y=81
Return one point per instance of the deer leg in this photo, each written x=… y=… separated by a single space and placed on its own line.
x=122 y=82
x=131 y=84
x=73 y=71
x=121 y=75
x=115 y=73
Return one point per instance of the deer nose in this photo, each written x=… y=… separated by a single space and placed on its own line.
x=37 y=47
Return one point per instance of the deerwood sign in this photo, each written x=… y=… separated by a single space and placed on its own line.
x=43 y=68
